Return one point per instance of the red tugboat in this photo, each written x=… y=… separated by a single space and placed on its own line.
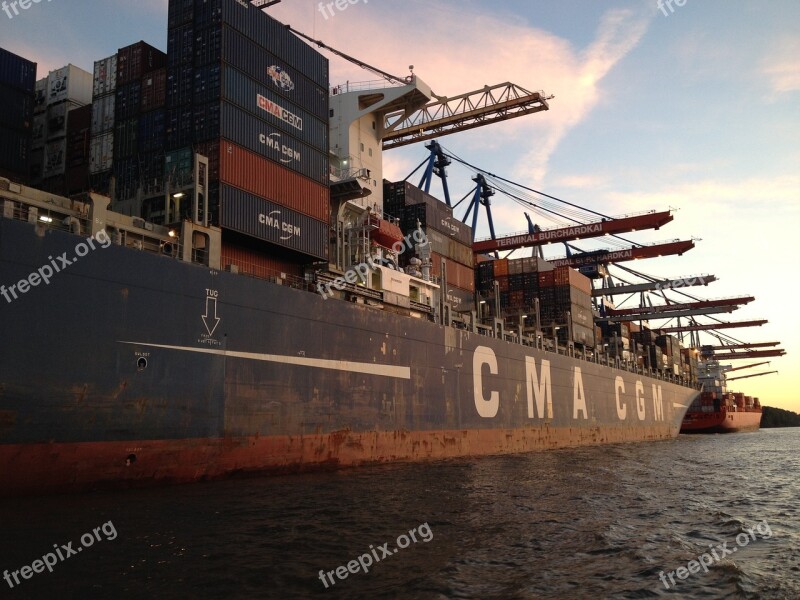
x=718 y=411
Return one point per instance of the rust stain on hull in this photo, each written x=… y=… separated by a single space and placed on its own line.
x=71 y=467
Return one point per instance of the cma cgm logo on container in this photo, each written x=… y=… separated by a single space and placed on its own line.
x=280 y=78
x=274 y=221
x=280 y=112
x=273 y=142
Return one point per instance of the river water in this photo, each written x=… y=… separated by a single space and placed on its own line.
x=601 y=522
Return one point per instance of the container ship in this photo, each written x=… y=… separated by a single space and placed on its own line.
x=241 y=292
x=718 y=411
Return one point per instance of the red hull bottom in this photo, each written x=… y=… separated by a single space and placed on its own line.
x=72 y=467
x=721 y=422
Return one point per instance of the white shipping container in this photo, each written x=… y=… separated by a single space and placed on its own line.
x=101 y=153
x=55 y=158
x=58 y=118
x=103 y=114
x=105 y=76
x=69 y=83
x=40 y=96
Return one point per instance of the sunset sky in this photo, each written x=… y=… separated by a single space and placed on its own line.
x=697 y=109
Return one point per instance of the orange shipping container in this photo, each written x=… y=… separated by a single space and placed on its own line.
x=252 y=173
x=501 y=267
x=457 y=274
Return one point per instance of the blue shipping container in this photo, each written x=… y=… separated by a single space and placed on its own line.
x=17 y=108
x=128 y=102
x=152 y=130
x=263 y=103
x=271 y=222
x=269 y=34
x=180 y=127
x=14 y=153
x=264 y=67
x=17 y=72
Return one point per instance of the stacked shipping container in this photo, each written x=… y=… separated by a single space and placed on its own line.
x=139 y=131
x=564 y=296
x=248 y=94
x=17 y=82
x=101 y=146
x=78 y=150
x=65 y=90
x=450 y=239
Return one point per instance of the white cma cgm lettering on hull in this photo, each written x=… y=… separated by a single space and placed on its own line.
x=273 y=220
x=539 y=387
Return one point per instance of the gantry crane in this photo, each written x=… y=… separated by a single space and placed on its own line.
x=651 y=220
x=614 y=256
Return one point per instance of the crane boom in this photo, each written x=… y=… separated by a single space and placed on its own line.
x=688 y=306
x=766 y=362
x=347 y=57
x=670 y=314
x=708 y=326
x=613 y=256
x=746 y=346
x=654 y=285
x=753 y=354
x=460 y=113
x=748 y=376
x=653 y=220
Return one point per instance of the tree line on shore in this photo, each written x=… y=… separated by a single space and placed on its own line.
x=778 y=417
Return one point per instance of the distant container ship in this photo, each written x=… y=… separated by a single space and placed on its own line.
x=718 y=411
x=227 y=323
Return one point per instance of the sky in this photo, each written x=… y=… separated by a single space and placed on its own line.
x=693 y=107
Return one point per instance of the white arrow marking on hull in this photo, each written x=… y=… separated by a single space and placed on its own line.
x=215 y=319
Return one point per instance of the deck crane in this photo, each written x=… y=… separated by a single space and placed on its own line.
x=442 y=115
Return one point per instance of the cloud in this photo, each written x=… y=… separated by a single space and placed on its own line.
x=448 y=57
x=782 y=67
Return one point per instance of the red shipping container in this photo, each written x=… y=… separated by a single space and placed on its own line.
x=501 y=267
x=134 y=61
x=547 y=279
x=154 y=90
x=256 y=175
x=250 y=261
